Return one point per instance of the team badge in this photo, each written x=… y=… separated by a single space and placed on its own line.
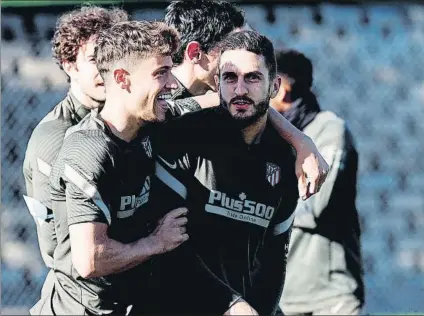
x=147 y=146
x=273 y=173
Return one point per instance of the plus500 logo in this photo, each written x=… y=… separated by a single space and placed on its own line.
x=242 y=205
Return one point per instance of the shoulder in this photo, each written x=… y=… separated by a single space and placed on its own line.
x=332 y=137
x=330 y=121
x=191 y=126
x=52 y=128
x=46 y=139
x=196 y=118
x=329 y=129
x=327 y=123
x=87 y=146
x=90 y=125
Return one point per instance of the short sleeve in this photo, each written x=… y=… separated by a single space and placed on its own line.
x=87 y=170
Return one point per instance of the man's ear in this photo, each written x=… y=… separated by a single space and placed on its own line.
x=276 y=83
x=216 y=78
x=69 y=68
x=193 y=52
x=122 y=78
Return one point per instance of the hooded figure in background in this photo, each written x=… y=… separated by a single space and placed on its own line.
x=324 y=270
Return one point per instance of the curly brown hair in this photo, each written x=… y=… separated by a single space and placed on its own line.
x=76 y=27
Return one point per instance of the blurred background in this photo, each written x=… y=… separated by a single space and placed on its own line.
x=369 y=69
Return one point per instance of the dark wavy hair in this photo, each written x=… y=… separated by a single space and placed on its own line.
x=76 y=27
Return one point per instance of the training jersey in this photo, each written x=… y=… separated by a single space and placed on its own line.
x=241 y=200
x=99 y=177
x=43 y=147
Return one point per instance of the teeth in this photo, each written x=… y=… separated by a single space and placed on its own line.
x=164 y=96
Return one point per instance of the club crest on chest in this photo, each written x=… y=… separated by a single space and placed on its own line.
x=273 y=173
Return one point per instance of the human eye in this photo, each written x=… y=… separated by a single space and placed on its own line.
x=162 y=72
x=253 y=78
x=229 y=77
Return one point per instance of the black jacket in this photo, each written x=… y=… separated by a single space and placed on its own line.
x=241 y=201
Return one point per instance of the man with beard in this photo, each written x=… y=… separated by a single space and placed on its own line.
x=240 y=191
x=73 y=50
x=100 y=181
x=202 y=24
x=324 y=269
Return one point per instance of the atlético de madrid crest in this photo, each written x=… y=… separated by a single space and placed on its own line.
x=273 y=173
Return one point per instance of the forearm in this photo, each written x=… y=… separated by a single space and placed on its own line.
x=94 y=254
x=113 y=257
x=207 y=100
x=287 y=130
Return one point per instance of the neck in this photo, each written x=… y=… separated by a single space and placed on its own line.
x=185 y=74
x=121 y=123
x=85 y=100
x=252 y=133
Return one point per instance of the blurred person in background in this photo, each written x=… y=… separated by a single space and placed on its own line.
x=202 y=24
x=73 y=50
x=100 y=181
x=324 y=270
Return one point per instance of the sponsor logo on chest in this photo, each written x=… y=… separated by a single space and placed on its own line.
x=130 y=203
x=240 y=209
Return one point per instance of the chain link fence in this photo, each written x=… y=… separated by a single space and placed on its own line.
x=367 y=69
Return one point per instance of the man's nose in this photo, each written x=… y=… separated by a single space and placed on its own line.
x=241 y=88
x=172 y=82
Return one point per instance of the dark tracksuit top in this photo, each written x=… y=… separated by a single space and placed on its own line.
x=241 y=202
x=42 y=149
x=93 y=180
x=98 y=177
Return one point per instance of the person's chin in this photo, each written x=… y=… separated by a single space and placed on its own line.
x=99 y=97
x=160 y=117
x=160 y=109
x=241 y=115
x=243 y=118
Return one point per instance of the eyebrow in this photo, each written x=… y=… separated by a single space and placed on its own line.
x=258 y=73
x=229 y=72
x=161 y=68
